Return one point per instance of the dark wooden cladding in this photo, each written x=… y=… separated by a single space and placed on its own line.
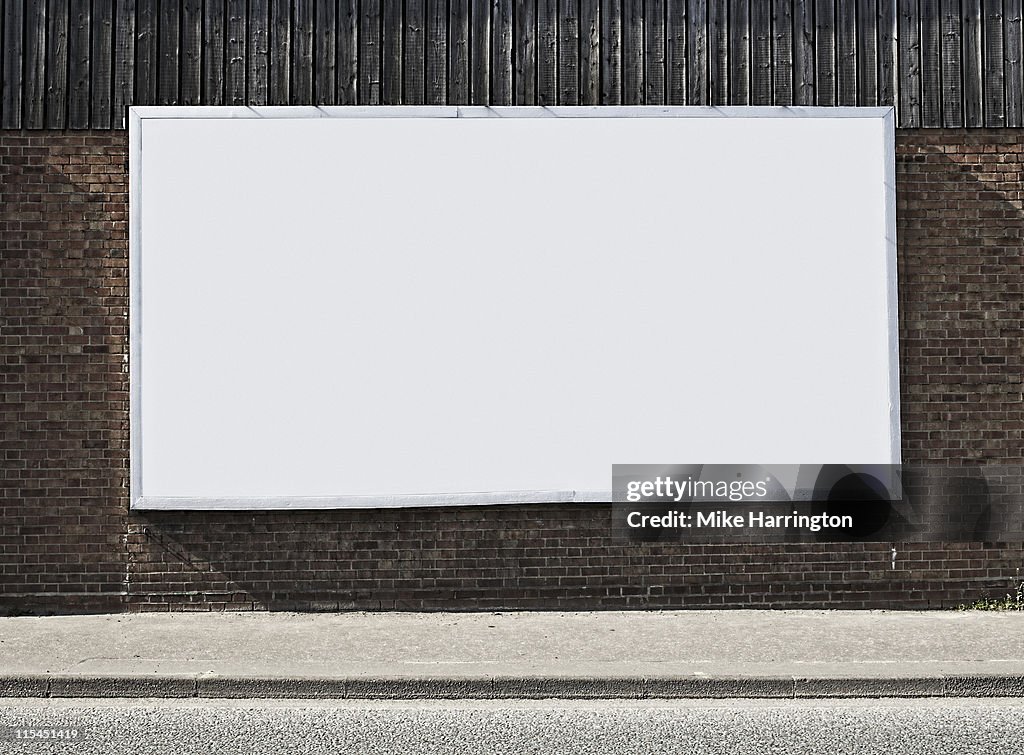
x=415 y=53
x=191 y=67
x=75 y=64
x=695 y=89
x=124 y=69
x=931 y=68
x=279 y=50
x=654 y=53
x=781 y=68
x=952 y=80
x=236 y=53
x=525 y=60
x=213 y=52
x=369 y=53
x=761 y=69
x=568 y=20
x=170 y=58
x=501 y=47
x=718 y=51
x=1012 y=70
x=56 y=65
x=632 y=52
x=302 y=51
x=325 y=53
x=258 y=53
x=479 y=52
x=80 y=59
x=35 y=55
x=537 y=43
x=458 y=51
x=590 y=52
x=102 y=62
x=436 y=81
x=611 y=52
x=824 y=53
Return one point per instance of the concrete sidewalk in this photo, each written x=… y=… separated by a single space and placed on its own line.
x=661 y=654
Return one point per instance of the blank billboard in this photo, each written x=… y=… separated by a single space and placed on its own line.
x=428 y=306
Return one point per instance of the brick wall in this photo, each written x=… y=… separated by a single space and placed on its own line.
x=68 y=542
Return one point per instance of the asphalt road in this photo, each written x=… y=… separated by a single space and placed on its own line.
x=545 y=727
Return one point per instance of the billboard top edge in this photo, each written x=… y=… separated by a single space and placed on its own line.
x=513 y=111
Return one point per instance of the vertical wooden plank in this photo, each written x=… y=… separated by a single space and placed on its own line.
x=213 y=52
x=437 y=53
x=168 y=53
x=146 y=53
x=14 y=29
x=803 y=53
x=951 y=55
x=846 y=52
x=611 y=52
x=931 y=81
x=972 y=63
x=887 y=52
x=370 y=52
x=739 y=52
x=909 y=53
x=782 y=52
x=458 y=52
x=480 y=52
x=57 y=62
x=718 y=51
x=325 y=53
x=654 y=52
x=994 y=82
x=257 y=75
x=698 y=82
x=761 y=53
x=527 y=64
x=415 y=55
x=78 y=56
x=590 y=52
x=102 y=60
x=348 y=52
x=391 y=52
x=191 y=89
x=867 y=53
x=501 y=47
x=302 y=52
x=569 y=52
x=546 y=50
x=280 y=52
x=825 y=52
x=678 y=51
x=124 y=63
x=1012 y=39
x=236 y=53
x=632 y=52
x=34 y=65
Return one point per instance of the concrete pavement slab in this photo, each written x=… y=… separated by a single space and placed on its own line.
x=525 y=655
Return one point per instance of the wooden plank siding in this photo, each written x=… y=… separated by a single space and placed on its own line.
x=75 y=64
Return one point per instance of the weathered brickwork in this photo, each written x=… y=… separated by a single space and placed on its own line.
x=69 y=543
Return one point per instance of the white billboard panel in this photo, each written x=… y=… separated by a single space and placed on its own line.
x=418 y=306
